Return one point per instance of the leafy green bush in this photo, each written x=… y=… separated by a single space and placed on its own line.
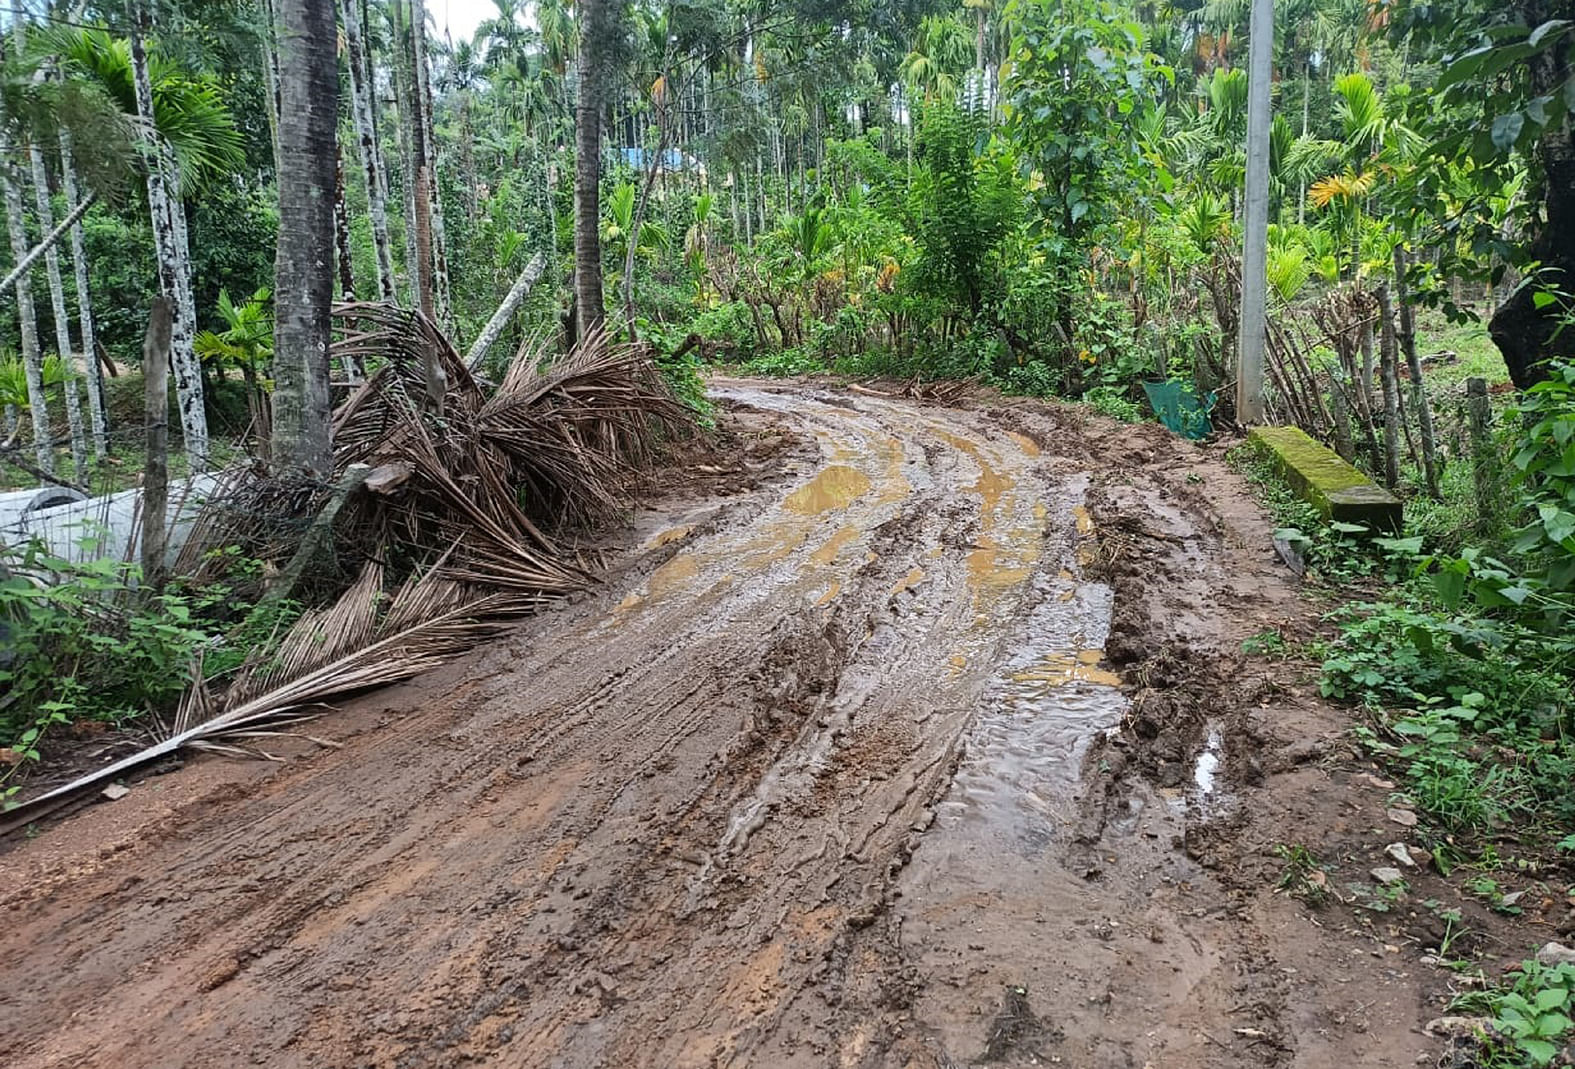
x=784 y=364
x=1531 y=1017
x=1392 y=654
x=730 y=326
x=1036 y=379
x=1536 y=586
x=1113 y=402
x=685 y=377
x=81 y=640
x=1546 y=463
x=81 y=643
x=963 y=205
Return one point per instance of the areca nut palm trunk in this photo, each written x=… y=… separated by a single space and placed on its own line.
x=344 y=257
x=418 y=203
x=407 y=173
x=594 y=28
x=437 y=236
x=27 y=315
x=57 y=301
x=270 y=57
x=79 y=265
x=362 y=101
x=304 y=268
x=174 y=260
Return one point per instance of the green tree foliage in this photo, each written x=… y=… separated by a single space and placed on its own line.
x=964 y=205
x=1503 y=101
x=1079 y=79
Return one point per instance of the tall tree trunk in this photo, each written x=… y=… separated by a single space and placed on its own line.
x=270 y=58
x=155 y=470
x=1526 y=334
x=47 y=242
x=436 y=233
x=594 y=28
x=1424 y=409
x=637 y=222
x=362 y=104
x=27 y=315
x=345 y=255
x=168 y=218
x=79 y=265
x=418 y=177
x=407 y=173
x=1387 y=350
x=303 y=270
x=505 y=311
x=57 y=304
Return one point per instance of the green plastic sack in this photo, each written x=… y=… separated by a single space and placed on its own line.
x=1179 y=408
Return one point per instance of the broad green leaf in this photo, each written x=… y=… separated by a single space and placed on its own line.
x=1558 y=524
x=1550 y=999
x=1540 y=1051
x=1451 y=587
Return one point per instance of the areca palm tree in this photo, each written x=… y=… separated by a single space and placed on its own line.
x=187 y=138
x=505 y=38
x=596 y=30
x=940 y=55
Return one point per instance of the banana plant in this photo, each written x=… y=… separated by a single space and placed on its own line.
x=13 y=379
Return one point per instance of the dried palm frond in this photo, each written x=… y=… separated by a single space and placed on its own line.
x=456 y=547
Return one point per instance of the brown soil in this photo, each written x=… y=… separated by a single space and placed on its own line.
x=908 y=735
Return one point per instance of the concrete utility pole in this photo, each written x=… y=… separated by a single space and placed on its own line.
x=1254 y=260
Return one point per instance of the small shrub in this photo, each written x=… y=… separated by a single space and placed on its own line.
x=785 y=364
x=1113 y=402
x=730 y=327
x=1035 y=379
x=1531 y=1018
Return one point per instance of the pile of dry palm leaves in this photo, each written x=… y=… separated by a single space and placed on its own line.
x=441 y=523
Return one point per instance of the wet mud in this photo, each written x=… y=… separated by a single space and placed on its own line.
x=930 y=745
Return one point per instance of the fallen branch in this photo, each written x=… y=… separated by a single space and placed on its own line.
x=71 y=219
x=11 y=454
x=500 y=319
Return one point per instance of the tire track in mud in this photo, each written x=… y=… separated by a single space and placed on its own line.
x=805 y=793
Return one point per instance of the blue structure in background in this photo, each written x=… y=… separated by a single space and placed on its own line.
x=643 y=159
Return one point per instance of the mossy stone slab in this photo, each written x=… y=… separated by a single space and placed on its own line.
x=1335 y=488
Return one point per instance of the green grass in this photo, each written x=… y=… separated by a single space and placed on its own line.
x=1478 y=356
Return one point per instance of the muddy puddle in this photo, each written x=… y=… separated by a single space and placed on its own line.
x=1024 y=749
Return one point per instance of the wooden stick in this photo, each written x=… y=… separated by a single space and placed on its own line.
x=1484 y=459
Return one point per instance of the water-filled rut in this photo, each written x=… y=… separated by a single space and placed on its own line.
x=658 y=827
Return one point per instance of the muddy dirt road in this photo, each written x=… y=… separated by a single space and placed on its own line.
x=848 y=770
